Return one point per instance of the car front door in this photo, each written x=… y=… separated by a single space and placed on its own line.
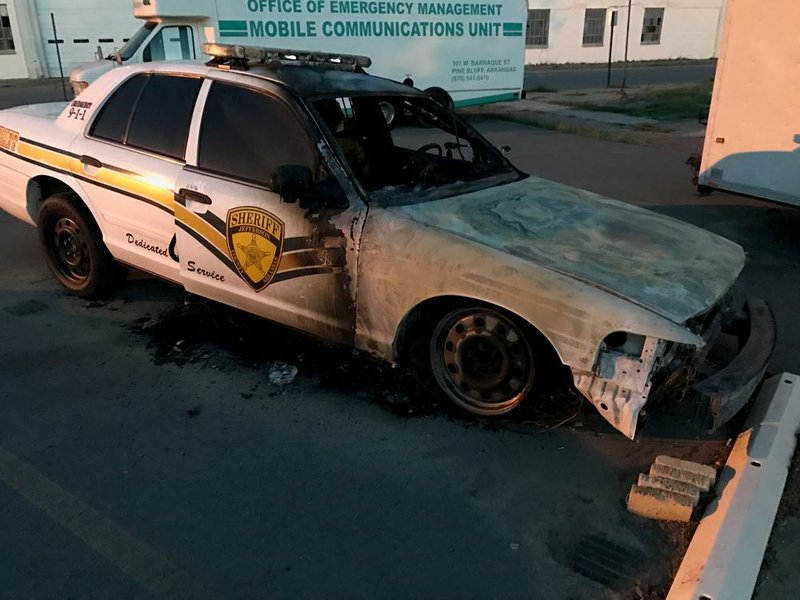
x=239 y=242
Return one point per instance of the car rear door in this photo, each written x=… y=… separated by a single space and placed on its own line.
x=130 y=159
x=238 y=241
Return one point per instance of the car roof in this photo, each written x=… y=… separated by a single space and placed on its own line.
x=311 y=82
x=307 y=81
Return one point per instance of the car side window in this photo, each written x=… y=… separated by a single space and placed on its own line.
x=151 y=112
x=247 y=135
x=163 y=115
x=171 y=43
x=112 y=121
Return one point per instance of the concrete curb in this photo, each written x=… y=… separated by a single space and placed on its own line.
x=725 y=554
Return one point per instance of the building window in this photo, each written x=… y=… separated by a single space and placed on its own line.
x=651 y=28
x=594 y=26
x=537 y=31
x=6 y=38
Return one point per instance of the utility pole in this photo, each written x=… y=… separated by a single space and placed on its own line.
x=627 y=38
x=611 y=46
x=58 y=54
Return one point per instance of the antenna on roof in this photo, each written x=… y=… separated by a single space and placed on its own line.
x=239 y=57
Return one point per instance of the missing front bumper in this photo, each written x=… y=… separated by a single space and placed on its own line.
x=621 y=385
x=723 y=394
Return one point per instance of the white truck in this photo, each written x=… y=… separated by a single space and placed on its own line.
x=752 y=143
x=464 y=53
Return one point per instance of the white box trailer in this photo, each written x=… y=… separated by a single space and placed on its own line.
x=752 y=143
x=470 y=52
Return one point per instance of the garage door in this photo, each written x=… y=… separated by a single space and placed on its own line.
x=82 y=27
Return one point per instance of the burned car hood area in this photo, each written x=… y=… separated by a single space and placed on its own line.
x=665 y=265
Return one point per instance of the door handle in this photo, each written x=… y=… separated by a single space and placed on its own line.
x=183 y=195
x=90 y=161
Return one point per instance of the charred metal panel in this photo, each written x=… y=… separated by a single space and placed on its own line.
x=620 y=384
x=666 y=265
x=727 y=391
x=403 y=264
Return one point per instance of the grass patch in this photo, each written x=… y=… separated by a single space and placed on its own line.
x=674 y=104
x=617 y=64
x=649 y=127
x=582 y=130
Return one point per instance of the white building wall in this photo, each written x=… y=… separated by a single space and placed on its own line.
x=690 y=30
x=83 y=25
x=15 y=65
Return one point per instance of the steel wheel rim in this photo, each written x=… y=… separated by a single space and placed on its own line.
x=70 y=250
x=484 y=361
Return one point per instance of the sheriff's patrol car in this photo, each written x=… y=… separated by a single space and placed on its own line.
x=269 y=180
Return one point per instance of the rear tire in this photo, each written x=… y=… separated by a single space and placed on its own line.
x=704 y=190
x=74 y=249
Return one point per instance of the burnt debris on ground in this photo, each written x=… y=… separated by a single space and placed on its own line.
x=205 y=333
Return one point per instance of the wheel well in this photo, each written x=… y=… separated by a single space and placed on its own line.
x=417 y=326
x=40 y=188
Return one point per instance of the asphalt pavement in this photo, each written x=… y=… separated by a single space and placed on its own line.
x=14 y=92
x=144 y=452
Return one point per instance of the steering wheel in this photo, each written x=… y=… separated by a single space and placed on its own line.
x=414 y=169
x=427 y=147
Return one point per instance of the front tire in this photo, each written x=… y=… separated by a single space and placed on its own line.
x=74 y=249
x=483 y=360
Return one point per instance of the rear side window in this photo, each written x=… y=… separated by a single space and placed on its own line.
x=150 y=112
x=248 y=135
x=162 y=118
x=112 y=122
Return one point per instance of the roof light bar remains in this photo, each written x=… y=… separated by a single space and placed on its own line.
x=285 y=55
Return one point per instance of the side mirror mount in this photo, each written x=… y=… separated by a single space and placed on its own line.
x=295 y=184
x=292 y=182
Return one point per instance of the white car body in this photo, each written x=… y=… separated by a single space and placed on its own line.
x=575 y=266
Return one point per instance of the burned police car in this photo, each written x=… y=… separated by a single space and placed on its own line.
x=269 y=180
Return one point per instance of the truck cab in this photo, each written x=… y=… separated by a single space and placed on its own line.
x=172 y=30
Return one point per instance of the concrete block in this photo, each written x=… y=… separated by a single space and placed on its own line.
x=699 y=481
x=688 y=466
x=659 y=504
x=671 y=485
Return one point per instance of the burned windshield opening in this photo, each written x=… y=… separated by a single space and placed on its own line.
x=425 y=152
